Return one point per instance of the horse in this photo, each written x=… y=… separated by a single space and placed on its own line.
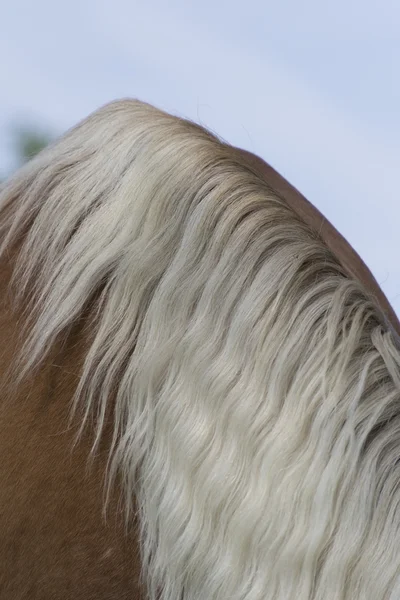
x=200 y=378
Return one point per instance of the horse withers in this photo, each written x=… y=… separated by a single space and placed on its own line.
x=200 y=379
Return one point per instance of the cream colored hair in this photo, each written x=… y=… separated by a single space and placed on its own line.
x=256 y=387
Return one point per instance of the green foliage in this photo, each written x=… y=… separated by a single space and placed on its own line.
x=29 y=142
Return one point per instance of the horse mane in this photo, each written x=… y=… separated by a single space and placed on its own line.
x=255 y=387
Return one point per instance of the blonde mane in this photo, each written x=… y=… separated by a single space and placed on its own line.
x=255 y=387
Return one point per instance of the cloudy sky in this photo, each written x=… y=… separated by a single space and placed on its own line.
x=313 y=87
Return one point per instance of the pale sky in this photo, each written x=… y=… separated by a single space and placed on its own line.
x=313 y=87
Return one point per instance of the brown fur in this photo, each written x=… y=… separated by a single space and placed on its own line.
x=54 y=543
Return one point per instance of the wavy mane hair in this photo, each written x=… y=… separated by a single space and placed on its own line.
x=254 y=388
